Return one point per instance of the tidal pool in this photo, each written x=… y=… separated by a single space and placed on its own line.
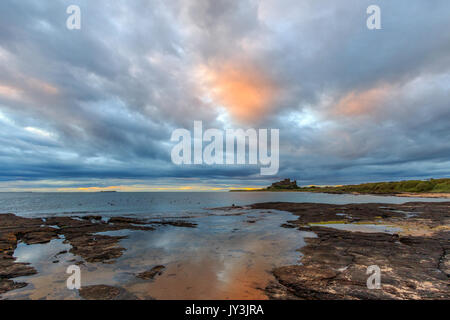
x=229 y=255
x=360 y=227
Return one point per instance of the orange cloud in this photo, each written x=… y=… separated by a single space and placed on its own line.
x=10 y=92
x=362 y=103
x=17 y=93
x=245 y=91
x=42 y=86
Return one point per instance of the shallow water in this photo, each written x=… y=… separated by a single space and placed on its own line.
x=229 y=255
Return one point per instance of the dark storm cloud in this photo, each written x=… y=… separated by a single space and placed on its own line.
x=352 y=104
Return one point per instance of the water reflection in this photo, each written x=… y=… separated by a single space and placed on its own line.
x=228 y=256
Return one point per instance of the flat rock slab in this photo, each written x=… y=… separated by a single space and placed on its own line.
x=152 y=273
x=10 y=269
x=104 y=292
x=80 y=233
x=177 y=223
x=414 y=262
x=7 y=285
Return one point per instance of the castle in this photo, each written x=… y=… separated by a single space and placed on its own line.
x=284 y=184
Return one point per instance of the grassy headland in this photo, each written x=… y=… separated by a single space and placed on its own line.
x=431 y=186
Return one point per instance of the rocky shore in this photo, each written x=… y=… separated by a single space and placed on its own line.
x=414 y=262
x=79 y=232
x=409 y=242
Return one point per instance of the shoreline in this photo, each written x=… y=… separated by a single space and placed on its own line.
x=399 y=194
x=410 y=242
x=87 y=245
x=414 y=261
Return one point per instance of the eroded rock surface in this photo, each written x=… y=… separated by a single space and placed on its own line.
x=7 y=285
x=104 y=292
x=80 y=233
x=13 y=228
x=150 y=274
x=414 y=262
x=177 y=223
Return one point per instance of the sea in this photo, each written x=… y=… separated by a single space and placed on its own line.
x=230 y=254
x=164 y=203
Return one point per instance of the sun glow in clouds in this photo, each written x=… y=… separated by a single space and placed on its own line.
x=246 y=92
x=10 y=92
x=362 y=103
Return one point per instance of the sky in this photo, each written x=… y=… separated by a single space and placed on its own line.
x=94 y=109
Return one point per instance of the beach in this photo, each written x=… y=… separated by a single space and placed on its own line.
x=268 y=250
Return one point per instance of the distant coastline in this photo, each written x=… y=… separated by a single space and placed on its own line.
x=432 y=188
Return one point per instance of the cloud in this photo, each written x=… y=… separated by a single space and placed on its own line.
x=100 y=103
x=245 y=91
x=367 y=102
x=9 y=92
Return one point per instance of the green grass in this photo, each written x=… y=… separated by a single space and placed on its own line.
x=414 y=186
